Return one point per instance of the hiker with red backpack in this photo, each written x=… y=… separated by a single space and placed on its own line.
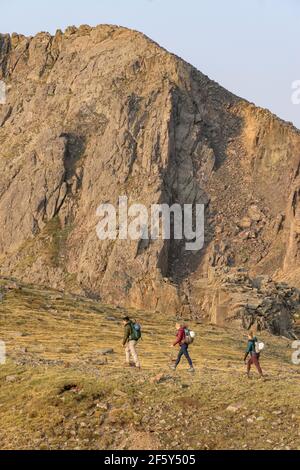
x=184 y=338
x=132 y=334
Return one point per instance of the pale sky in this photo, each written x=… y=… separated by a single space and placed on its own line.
x=251 y=47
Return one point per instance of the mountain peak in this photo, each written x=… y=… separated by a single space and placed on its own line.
x=93 y=114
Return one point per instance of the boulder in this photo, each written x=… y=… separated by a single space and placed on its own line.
x=104 y=351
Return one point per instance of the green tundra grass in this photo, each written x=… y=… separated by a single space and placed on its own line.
x=58 y=392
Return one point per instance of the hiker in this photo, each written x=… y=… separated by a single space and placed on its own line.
x=131 y=337
x=254 y=355
x=181 y=340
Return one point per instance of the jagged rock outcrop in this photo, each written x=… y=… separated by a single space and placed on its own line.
x=230 y=295
x=95 y=113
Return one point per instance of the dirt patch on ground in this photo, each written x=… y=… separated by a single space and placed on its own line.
x=141 y=441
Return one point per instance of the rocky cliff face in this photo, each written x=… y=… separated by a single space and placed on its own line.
x=96 y=113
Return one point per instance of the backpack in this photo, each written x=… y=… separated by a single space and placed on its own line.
x=136 y=331
x=258 y=347
x=189 y=336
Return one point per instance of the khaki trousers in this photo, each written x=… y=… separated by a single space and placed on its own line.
x=130 y=350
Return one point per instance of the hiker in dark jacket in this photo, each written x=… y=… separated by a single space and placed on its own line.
x=180 y=341
x=254 y=356
x=129 y=343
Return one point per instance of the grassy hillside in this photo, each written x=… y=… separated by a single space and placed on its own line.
x=57 y=390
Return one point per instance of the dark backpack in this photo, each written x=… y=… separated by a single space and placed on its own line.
x=136 y=331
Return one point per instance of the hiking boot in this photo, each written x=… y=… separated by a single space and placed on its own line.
x=173 y=367
x=191 y=369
